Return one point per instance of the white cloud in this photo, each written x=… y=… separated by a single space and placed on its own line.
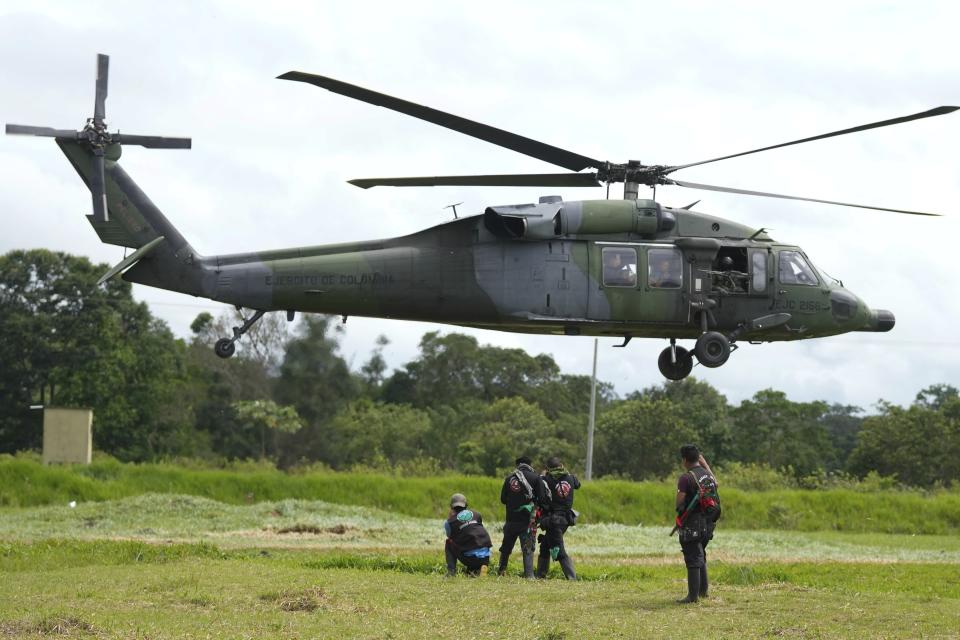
x=658 y=82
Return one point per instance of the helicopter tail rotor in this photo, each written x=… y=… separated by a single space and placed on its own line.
x=95 y=136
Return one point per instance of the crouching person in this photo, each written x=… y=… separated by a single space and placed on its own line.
x=467 y=539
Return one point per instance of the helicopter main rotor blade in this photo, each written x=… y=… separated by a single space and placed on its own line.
x=710 y=187
x=103 y=74
x=527 y=146
x=939 y=111
x=46 y=132
x=502 y=180
x=153 y=142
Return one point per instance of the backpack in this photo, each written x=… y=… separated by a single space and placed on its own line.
x=708 y=498
x=528 y=492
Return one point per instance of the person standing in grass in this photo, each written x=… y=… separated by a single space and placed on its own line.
x=467 y=539
x=524 y=494
x=698 y=508
x=559 y=516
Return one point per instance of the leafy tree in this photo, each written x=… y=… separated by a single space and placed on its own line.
x=369 y=433
x=511 y=427
x=267 y=417
x=373 y=370
x=842 y=424
x=918 y=445
x=68 y=341
x=453 y=367
x=640 y=439
x=317 y=381
x=569 y=395
x=217 y=384
x=703 y=408
x=936 y=396
x=773 y=430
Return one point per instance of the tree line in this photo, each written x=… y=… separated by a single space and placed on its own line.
x=290 y=397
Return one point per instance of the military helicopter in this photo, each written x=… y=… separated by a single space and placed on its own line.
x=629 y=268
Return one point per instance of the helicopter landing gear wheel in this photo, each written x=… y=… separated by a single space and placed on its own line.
x=712 y=349
x=224 y=347
x=678 y=368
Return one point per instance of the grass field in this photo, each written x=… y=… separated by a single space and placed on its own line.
x=168 y=566
x=25 y=482
x=131 y=589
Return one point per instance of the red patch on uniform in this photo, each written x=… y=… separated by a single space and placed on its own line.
x=563 y=489
x=514 y=485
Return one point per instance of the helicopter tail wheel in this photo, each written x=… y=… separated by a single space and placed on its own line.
x=712 y=349
x=224 y=347
x=675 y=369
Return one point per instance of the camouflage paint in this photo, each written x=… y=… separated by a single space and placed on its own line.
x=547 y=281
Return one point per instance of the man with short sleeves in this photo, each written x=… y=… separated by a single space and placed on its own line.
x=694 y=525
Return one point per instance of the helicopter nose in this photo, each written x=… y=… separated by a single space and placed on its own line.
x=880 y=320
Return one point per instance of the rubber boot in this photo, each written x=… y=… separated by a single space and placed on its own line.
x=543 y=566
x=451 y=563
x=566 y=563
x=704 y=582
x=528 y=565
x=504 y=559
x=693 y=586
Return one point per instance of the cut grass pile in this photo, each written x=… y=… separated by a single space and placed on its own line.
x=320 y=525
x=25 y=482
x=199 y=591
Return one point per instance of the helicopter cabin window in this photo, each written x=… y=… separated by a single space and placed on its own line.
x=619 y=267
x=795 y=270
x=758 y=263
x=729 y=270
x=665 y=268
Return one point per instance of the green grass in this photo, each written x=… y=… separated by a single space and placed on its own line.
x=122 y=589
x=25 y=482
x=163 y=518
x=181 y=566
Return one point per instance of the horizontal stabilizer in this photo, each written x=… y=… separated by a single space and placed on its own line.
x=130 y=260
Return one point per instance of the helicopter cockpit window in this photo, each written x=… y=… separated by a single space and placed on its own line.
x=665 y=268
x=795 y=270
x=619 y=267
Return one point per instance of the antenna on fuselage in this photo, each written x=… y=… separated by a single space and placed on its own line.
x=454 y=207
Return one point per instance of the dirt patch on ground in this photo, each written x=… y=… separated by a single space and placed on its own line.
x=67 y=626
x=339 y=529
x=309 y=599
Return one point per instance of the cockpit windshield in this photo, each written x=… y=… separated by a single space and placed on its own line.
x=795 y=270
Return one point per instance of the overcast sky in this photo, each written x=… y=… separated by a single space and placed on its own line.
x=666 y=83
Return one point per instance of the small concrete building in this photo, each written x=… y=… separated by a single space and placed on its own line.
x=67 y=435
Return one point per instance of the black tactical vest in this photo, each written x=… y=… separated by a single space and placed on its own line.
x=561 y=490
x=467 y=531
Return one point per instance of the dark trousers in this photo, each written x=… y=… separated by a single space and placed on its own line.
x=695 y=554
x=472 y=563
x=554 y=527
x=512 y=531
